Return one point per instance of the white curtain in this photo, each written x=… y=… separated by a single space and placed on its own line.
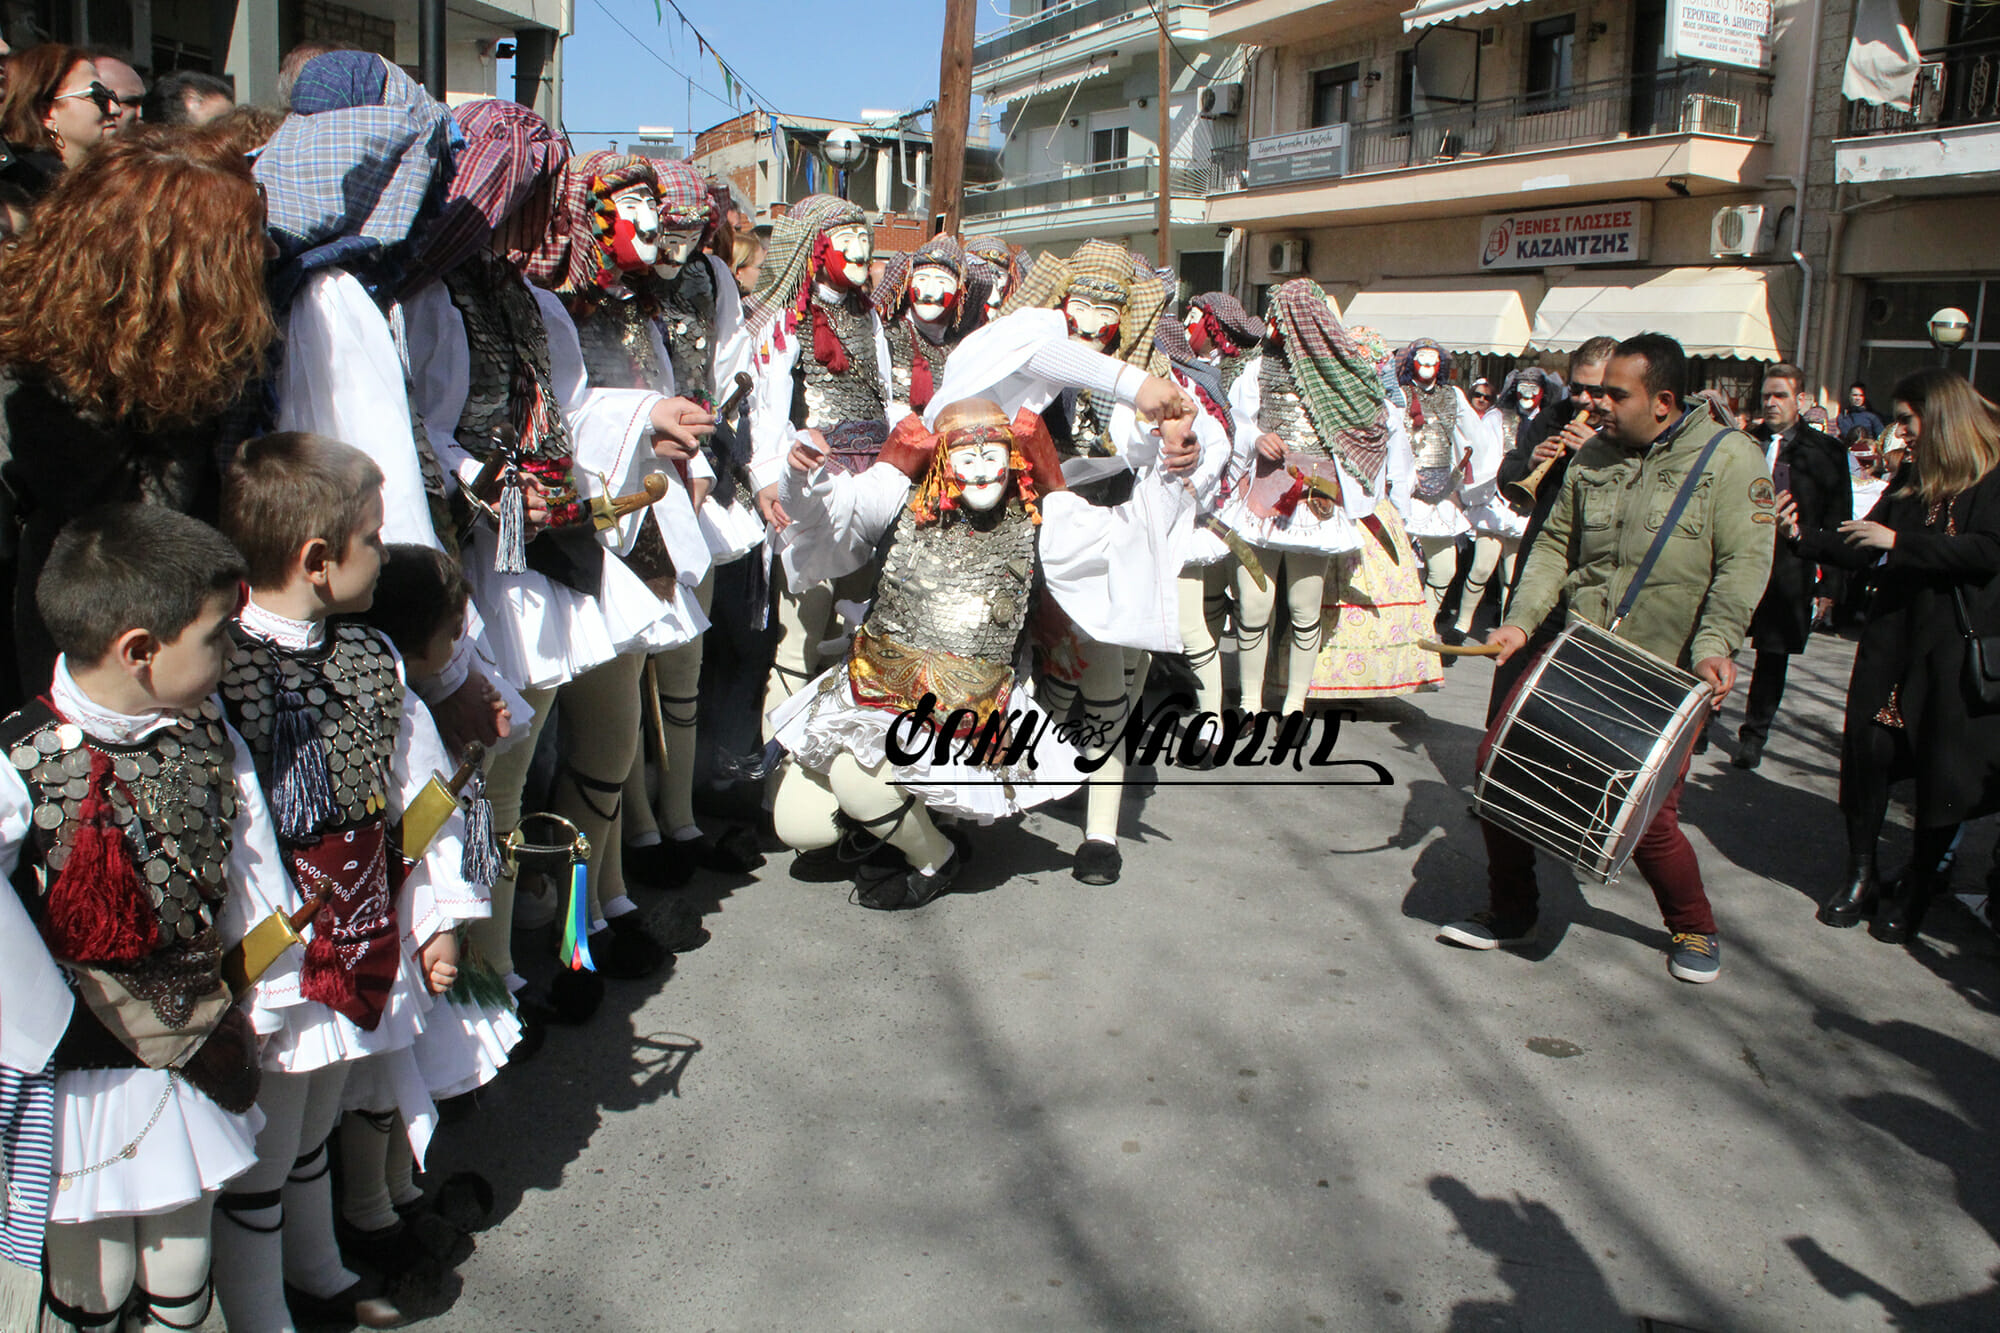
x=1882 y=59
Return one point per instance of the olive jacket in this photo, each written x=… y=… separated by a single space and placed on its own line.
x=1699 y=598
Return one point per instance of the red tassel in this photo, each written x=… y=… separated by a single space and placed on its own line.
x=827 y=349
x=98 y=911
x=921 y=387
x=1289 y=501
x=1416 y=411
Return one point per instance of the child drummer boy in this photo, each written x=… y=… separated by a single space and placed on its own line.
x=140 y=850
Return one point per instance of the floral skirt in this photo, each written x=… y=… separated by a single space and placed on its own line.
x=1374 y=614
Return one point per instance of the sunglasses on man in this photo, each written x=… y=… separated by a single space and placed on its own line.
x=107 y=101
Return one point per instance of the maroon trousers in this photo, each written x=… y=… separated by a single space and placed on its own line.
x=1664 y=856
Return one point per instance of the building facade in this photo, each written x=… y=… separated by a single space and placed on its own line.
x=1076 y=86
x=1511 y=177
x=510 y=48
x=771 y=163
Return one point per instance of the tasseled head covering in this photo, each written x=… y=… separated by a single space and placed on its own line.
x=892 y=293
x=348 y=176
x=1230 y=326
x=788 y=267
x=686 y=200
x=1337 y=378
x=1406 y=362
x=574 y=259
x=1109 y=274
x=1554 y=390
x=1384 y=357
x=508 y=151
x=925 y=455
x=1000 y=257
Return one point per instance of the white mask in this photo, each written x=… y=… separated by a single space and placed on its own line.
x=981 y=472
x=999 y=292
x=855 y=243
x=677 y=246
x=1527 y=395
x=1426 y=363
x=639 y=213
x=1091 y=320
x=931 y=291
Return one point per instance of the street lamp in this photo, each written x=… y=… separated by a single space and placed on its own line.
x=1948 y=328
x=843 y=151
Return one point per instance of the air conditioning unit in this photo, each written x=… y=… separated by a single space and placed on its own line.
x=1738 y=231
x=1221 y=100
x=1702 y=114
x=1286 y=258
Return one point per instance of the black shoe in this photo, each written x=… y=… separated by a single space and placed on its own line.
x=678 y=925
x=665 y=864
x=1749 y=752
x=363 y=1304
x=1701 y=741
x=1097 y=863
x=388 y=1250
x=730 y=852
x=1900 y=917
x=570 y=998
x=903 y=893
x=1855 y=900
x=626 y=951
x=821 y=865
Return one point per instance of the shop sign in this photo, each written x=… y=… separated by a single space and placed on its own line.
x=1550 y=237
x=1722 y=32
x=1305 y=155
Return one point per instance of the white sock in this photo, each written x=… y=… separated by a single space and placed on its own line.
x=650 y=838
x=687 y=833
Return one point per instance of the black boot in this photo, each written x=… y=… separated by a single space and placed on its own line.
x=1900 y=918
x=1847 y=905
x=1749 y=750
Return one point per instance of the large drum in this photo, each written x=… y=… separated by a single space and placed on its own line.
x=1588 y=748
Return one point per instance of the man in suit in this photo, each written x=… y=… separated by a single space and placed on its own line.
x=1813 y=467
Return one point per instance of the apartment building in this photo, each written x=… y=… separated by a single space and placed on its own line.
x=508 y=48
x=1512 y=177
x=1075 y=85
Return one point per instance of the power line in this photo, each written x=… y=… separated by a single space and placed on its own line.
x=672 y=68
x=727 y=68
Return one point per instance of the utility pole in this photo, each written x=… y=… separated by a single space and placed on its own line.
x=430 y=46
x=1165 y=219
x=948 y=122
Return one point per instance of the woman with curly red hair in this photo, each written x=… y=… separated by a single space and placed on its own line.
x=132 y=316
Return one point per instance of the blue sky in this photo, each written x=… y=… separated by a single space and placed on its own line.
x=830 y=60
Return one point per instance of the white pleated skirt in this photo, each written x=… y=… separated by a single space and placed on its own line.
x=193 y=1148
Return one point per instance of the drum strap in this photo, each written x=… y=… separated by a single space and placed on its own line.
x=1681 y=499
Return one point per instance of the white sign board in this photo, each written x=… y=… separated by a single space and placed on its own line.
x=1722 y=32
x=1546 y=238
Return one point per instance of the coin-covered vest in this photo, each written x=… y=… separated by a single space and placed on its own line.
x=948 y=613
x=321 y=724
x=618 y=353
x=1281 y=409
x=846 y=404
x=1433 y=414
x=908 y=346
x=143 y=954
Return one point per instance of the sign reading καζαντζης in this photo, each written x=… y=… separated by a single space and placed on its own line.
x=1586 y=234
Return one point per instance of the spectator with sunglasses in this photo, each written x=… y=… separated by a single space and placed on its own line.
x=55 y=112
x=116 y=73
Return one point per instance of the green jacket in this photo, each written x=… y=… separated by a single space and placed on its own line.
x=1698 y=601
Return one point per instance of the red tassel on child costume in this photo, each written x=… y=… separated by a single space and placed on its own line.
x=827 y=348
x=98 y=911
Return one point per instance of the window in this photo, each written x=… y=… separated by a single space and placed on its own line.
x=1108 y=147
x=1336 y=96
x=1551 y=68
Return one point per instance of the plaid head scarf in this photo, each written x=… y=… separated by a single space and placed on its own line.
x=347 y=177
x=1337 y=378
x=574 y=259
x=1108 y=273
x=686 y=200
x=892 y=293
x=1226 y=314
x=996 y=253
x=508 y=151
x=788 y=267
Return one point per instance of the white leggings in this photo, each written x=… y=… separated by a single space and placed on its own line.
x=1303 y=578
x=1204 y=605
x=803 y=813
x=678 y=674
x=161 y=1260
x=1488 y=554
x=1110 y=685
x=1440 y=567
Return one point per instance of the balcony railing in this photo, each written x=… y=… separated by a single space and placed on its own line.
x=1956 y=85
x=1104 y=183
x=1059 y=20
x=1691 y=99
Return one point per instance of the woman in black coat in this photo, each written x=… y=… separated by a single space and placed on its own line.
x=1913 y=709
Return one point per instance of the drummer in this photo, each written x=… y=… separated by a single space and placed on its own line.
x=1693 y=609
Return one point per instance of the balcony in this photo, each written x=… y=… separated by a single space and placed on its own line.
x=1444 y=159
x=1026 y=49
x=1082 y=199
x=1949 y=138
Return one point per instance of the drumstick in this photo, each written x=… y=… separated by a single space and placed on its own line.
x=1459 y=649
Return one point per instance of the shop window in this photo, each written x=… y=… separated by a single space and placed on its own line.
x=1895 y=334
x=1109 y=147
x=1551 y=62
x=1336 y=96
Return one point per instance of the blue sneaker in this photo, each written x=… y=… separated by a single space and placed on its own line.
x=1696 y=958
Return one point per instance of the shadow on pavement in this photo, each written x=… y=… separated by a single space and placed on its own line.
x=1553 y=1281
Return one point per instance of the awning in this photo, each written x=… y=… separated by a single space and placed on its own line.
x=1429 y=13
x=1463 y=314
x=1743 y=312
x=1055 y=84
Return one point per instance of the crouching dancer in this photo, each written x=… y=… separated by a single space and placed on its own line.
x=975 y=513
x=135 y=833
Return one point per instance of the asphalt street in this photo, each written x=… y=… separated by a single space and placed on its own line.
x=1245 y=1088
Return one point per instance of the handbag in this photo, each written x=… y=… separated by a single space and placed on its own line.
x=1982 y=654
